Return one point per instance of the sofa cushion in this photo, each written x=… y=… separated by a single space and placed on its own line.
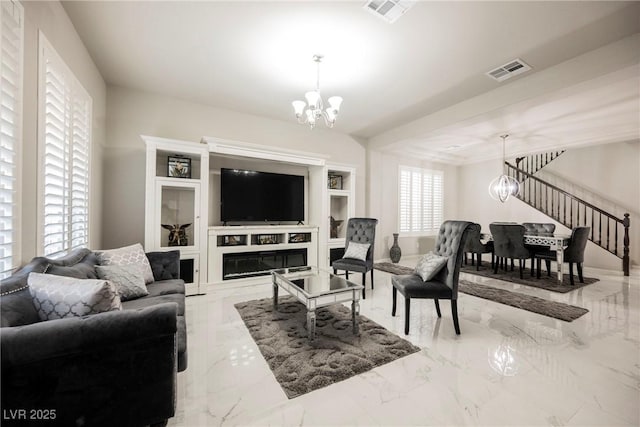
x=128 y=255
x=128 y=280
x=166 y=287
x=165 y=265
x=57 y=297
x=149 y=301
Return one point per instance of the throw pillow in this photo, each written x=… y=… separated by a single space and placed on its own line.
x=429 y=265
x=128 y=255
x=127 y=278
x=58 y=297
x=357 y=251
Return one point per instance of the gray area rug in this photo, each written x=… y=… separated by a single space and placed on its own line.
x=557 y=310
x=336 y=354
x=549 y=283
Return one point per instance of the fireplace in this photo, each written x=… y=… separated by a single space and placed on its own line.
x=249 y=264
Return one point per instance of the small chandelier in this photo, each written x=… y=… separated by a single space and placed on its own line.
x=311 y=111
x=504 y=186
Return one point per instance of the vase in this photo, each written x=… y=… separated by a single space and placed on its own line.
x=394 y=251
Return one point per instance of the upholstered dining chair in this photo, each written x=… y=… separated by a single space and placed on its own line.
x=508 y=243
x=358 y=254
x=573 y=254
x=444 y=284
x=474 y=246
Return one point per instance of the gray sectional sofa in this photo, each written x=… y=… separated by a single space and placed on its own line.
x=106 y=369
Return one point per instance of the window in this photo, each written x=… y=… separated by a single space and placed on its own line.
x=64 y=122
x=420 y=200
x=11 y=75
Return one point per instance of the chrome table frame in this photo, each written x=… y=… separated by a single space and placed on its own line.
x=560 y=241
x=323 y=296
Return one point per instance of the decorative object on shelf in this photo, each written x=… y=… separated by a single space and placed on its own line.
x=334 y=224
x=267 y=239
x=335 y=182
x=300 y=238
x=395 y=252
x=177 y=234
x=232 y=240
x=311 y=111
x=179 y=167
x=504 y=186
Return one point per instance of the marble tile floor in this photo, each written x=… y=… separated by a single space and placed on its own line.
x=509 y=367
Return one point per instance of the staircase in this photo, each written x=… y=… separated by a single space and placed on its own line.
x=607 y=231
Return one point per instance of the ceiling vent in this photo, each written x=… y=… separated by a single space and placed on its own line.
x=508 y=70
x=389 y=10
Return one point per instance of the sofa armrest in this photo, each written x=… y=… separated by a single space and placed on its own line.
x=165 y=265
x=116 y=368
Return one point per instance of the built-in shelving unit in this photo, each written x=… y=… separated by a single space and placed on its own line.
x=175 y=208
x=214 y=254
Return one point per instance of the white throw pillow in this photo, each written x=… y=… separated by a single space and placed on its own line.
x=128 y=255
x=357 y=251
x=429 y=265
x=127 y=279
x=58 y=297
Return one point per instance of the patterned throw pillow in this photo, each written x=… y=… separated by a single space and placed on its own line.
x=128 y=255
x=58 y=297
x=127 y=278
x=429 y=265
x=357 y=251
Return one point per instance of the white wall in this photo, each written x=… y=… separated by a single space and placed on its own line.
x=52 y=20
x=133 y=113
x=383 y=201
x=610 y=170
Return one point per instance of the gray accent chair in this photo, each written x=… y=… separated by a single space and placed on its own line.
x=476 y=248
x=450 y=243
x=508 y=243
x=574 y=253
x=359 y=230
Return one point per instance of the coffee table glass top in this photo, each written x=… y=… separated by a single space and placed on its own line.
x=314 y=282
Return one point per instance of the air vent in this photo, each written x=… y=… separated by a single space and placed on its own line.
x=508 y=70
x=389 y=10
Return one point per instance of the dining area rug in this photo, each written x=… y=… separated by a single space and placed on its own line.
x=549 y=283
x=554 y=309
x=301 y=366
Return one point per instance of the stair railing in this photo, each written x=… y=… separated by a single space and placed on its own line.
x=607 y=230
x=533 y=163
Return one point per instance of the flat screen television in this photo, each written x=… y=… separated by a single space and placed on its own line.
x=260 y=196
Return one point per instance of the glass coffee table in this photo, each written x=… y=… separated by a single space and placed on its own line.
x=316 y=288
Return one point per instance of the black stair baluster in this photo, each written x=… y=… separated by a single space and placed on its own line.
x=600 y=231
x=616 y=246
x=608 y=225
x=564 y=210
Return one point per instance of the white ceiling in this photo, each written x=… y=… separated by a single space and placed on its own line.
x=397 y=80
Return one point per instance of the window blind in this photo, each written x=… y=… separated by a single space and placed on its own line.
x=11 y=77
x=420 y=201
x=65 y=152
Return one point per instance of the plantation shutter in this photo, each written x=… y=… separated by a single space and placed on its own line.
x=420 y=201
x=66 y=111
x=11 y=76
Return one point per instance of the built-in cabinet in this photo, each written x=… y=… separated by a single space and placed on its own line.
x=175 y=208
x=177 y=213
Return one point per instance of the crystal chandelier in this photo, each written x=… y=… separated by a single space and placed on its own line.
x=310 y=112
x=504 y=186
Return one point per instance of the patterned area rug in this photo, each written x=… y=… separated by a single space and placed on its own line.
x=336 y=354
x=557 y=310
x=549 y=283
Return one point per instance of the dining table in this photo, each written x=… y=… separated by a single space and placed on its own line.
x=554 y=241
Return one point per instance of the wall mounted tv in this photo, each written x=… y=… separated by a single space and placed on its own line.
x=260 y=196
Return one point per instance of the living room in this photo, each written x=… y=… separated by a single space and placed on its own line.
x=597 y=61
